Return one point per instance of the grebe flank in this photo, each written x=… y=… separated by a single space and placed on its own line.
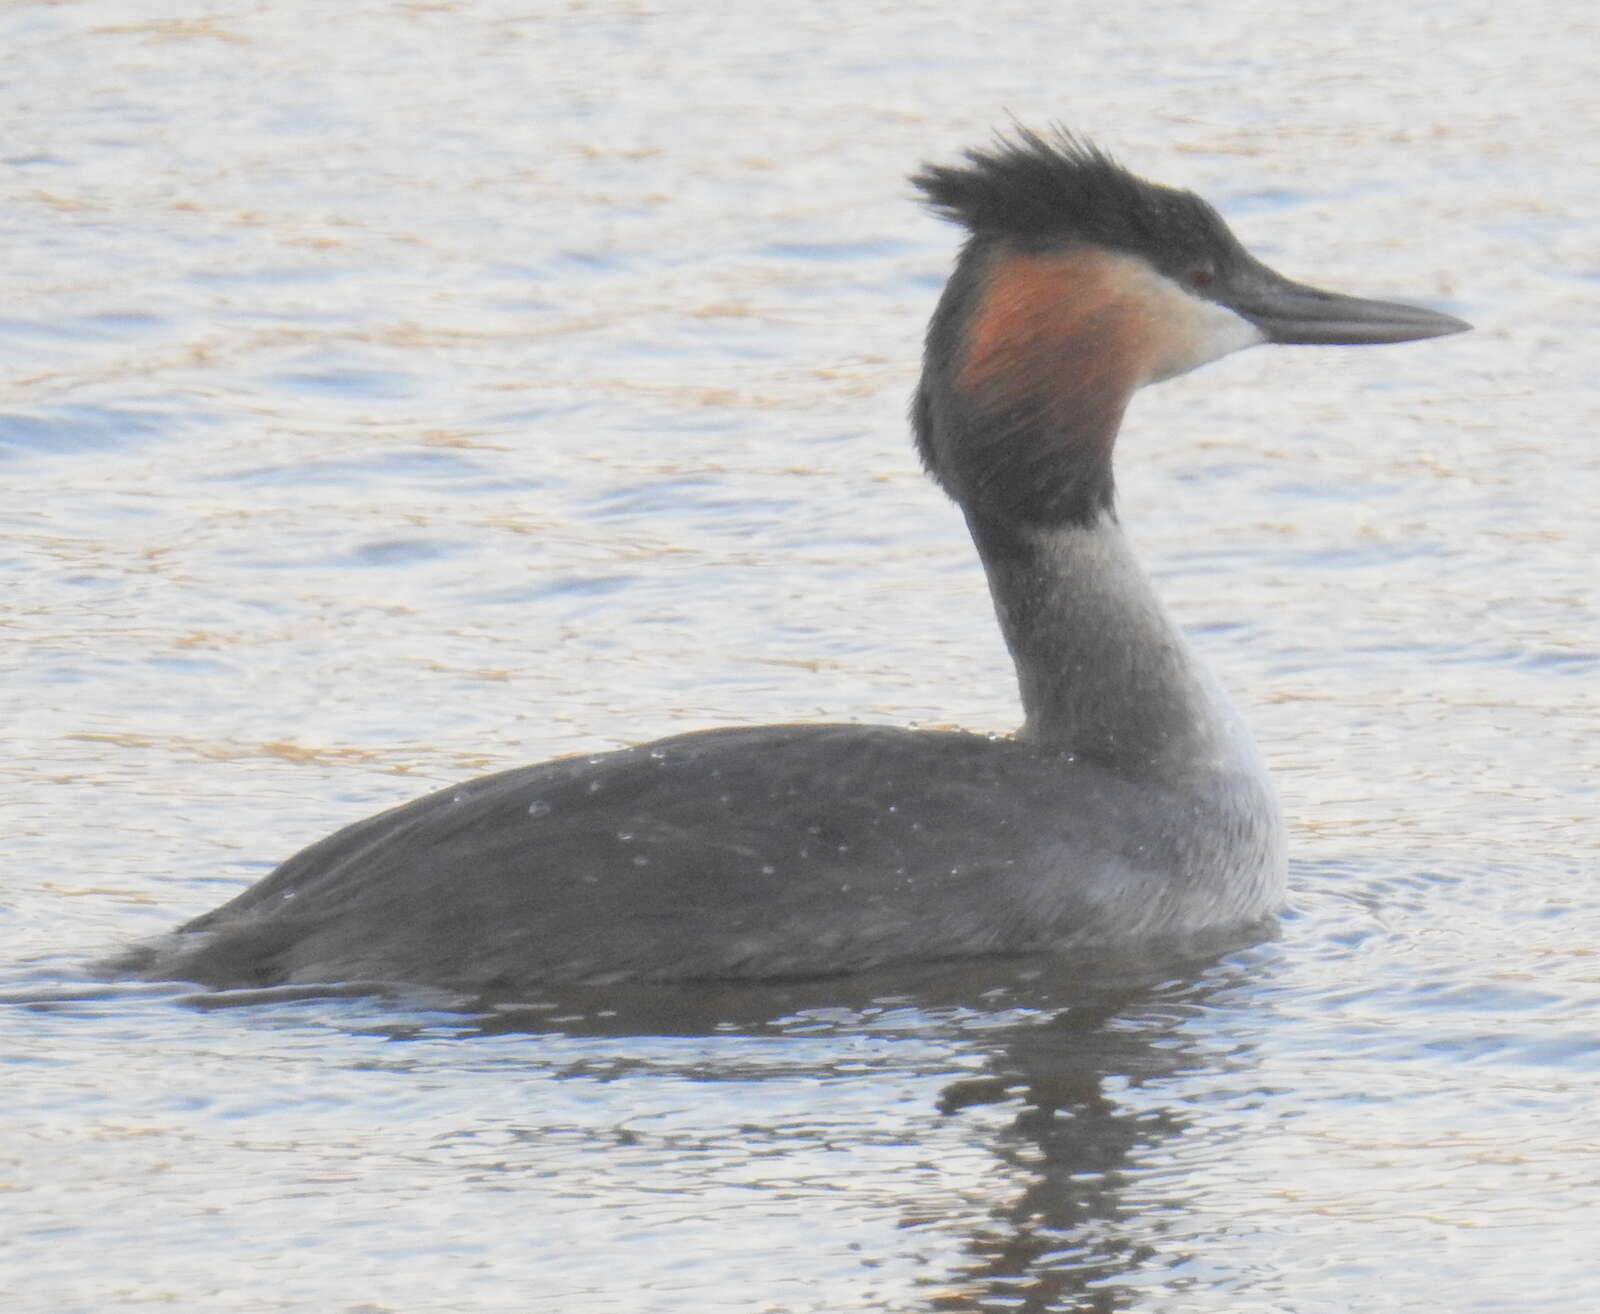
x=1129 y=809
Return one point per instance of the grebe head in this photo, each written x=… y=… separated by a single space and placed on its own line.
x=1079 y=283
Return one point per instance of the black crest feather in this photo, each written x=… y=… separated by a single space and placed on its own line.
x=1062 y=188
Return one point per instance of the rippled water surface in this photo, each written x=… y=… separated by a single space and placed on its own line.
x=397 y=392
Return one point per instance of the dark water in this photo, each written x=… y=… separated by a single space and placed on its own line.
x=473 y=384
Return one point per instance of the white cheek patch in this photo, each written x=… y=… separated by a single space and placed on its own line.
x=1188 y=331
x=1207 y=332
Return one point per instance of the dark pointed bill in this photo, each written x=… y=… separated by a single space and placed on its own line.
x=1294 y=313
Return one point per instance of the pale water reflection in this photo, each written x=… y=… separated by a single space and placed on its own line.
x=462 y=385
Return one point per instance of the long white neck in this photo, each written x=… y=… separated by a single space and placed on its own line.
x=1103 y=671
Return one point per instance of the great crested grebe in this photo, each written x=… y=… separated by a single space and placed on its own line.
x=1130 y=809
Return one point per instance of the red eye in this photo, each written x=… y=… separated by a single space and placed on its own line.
x=1204 y=276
